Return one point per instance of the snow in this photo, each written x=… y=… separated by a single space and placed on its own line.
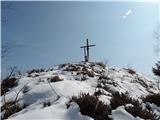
x=154 y=108
x=39 y=91
x=121 y=114
x=105 y=99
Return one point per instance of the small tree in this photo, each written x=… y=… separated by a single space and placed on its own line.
x=156 y=71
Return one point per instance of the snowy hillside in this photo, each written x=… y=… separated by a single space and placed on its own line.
x=47 y=94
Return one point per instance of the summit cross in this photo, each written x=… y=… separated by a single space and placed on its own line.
x=86 y=50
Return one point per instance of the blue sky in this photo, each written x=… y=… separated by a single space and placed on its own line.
x=52 y=33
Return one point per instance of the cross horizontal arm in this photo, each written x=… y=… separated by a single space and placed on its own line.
x=87 y=46
x=91 y=45
x=83 y=46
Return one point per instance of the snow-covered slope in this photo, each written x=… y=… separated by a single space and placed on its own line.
x=74 y=79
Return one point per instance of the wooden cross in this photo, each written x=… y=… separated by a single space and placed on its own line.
x=86 y=53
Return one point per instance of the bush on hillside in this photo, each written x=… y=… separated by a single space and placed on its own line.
x=35 y=71
x=131 y=71
x=105 y=77
x=8 y=83
x=153 y=98
x=101 y=64
x=63 y=65
x=137 y=110
x=121 y=99
x=9 y=108
x=46 y=103
x=55 y=79
x=106 y=80
x=156 y=69
x=98 y=93
x=91 y=106
x=72 y=67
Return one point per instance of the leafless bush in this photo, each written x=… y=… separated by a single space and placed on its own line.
x=105 y=77
x=141 y=82
x=8 y=83
x=62 y=65
x=10 y=108
x=72 y=67
x=131 y=71
x=153 y=98
x=46 y=103
x=121 y=99
x=98 y=93
x=11 y=80
x=137 y=110
x=156 y=69
x=91 y=106
x=35 y=71
x=107 y=81
x=101 y=64
x=55 y=79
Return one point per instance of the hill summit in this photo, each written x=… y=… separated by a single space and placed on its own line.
x=80 y=91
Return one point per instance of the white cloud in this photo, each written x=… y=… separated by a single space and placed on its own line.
x=124 y=17
x=129 y=12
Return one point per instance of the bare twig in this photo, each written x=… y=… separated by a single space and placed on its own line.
x=58 y=96
x=12 y=71
x=17 y=93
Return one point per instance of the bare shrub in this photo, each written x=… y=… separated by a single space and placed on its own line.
x=46 y=103
x=137 y=110
x=131 y=71
x=72 y=67
x=62 y=65
x=90 y=73
x=108 y=81
x=105 y=77
x=91 y=106
x=98 y=93
x=35 y=71
x=85 y=71
x=153 y=98
x=121 y=99
x=101 y=64
x=10 y=80
x=10 y=108
x=142 y=82
x=8 y=83
x=156 y=71
x=55 y=79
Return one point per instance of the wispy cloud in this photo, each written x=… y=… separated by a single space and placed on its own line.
x=129 y=12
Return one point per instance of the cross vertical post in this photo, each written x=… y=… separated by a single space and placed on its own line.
x=87 y=50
